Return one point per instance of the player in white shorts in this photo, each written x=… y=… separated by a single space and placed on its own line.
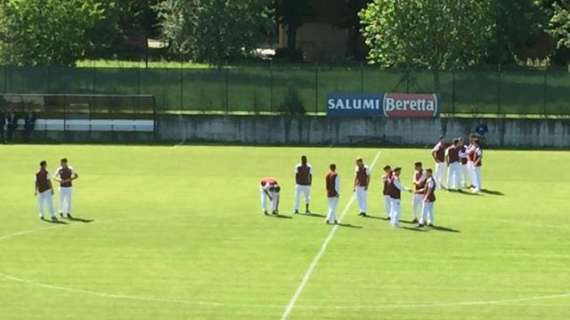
x=418 y=182
x=303 y=181
x=65 y=176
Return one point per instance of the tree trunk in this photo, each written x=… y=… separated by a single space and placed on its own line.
x=291 y=37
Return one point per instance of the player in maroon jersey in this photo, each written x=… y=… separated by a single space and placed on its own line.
x=418 y=182
x=475 y=161
x=465 y=181
x=303 y=181
x=386 y=189
x=332 y=183
x=270 y=189
x=429 y=199
x=65 y=176
x=361 y=183
x=43 y=189
x=438 y=154
x=453 y=166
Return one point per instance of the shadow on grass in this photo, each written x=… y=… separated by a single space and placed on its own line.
x=348 y=225
x=444 y=229
x=467 y=193
x=280 y=216
x=54 y=221
x=314 y=215
x=492 y=192
x=376 y=218
x=413 y=229
x=76 y=219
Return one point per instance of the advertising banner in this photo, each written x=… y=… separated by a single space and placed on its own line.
x=354 y=105
x=390 y=105
x=410 y=105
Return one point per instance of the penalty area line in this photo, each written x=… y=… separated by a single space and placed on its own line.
x=321 y=252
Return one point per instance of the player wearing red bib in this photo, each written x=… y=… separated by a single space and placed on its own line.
x=332 y=183
x=303 y=181
x=453 y=166
x=269 y=189
x=361 y=183
x=428 y=192
x=43 y=189
x=418 y=182
x=438 y=154
x=65 y=176
x=386 y=189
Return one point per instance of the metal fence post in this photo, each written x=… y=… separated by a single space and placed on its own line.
x=545 y=92
x=361 y=78
x=499 y=89
x=181 y=86
x=227 y=88
x=317 y=89
x=271 y=86
x=48 y=82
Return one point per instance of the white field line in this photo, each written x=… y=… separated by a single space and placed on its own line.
x=38 y=284
x=322 y=250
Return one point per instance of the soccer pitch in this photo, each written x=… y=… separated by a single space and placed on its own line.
x=177 y=233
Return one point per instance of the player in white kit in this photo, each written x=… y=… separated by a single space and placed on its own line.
x=43 y=189
x=303 y=181
x=65 y=176
x=418 y=182
x=332 y=183
x=438 y=154
x=361 y=183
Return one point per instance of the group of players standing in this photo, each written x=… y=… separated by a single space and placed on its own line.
x=462 y=163
x=44 y=191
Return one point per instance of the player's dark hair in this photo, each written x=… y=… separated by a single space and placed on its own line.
x=63 y=160
x=387 y=168
x=418 y=164
x=397 y=169
x=43 y=163
x=429 y=170
x=332 y=166
x=456 y=141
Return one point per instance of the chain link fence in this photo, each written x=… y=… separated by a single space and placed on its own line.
x=300 y=89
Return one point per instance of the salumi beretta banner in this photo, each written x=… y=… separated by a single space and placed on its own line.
x=390 y=105
x=354 y=105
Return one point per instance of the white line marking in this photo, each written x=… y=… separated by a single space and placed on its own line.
x=315 y=261
x=261 y=306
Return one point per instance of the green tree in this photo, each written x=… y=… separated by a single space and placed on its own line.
x=44 y=32
x=517 y=23
x=559 y=25
x=437 y=34
x=214 y=31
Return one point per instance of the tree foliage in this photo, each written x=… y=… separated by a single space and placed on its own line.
x=293 y=14
x=46 y=32
x=214 y=31
x=559 y=25
x=437 y=34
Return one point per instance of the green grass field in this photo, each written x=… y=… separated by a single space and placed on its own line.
x=177 y=233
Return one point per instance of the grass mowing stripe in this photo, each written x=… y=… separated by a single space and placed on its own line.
x=324 y=246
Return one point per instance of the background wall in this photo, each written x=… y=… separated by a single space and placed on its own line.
x=531 y=133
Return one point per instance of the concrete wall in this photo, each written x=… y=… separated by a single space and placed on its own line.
x=531 y=133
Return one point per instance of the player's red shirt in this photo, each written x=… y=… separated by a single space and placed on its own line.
x=302 y=175
x=453 y=154
x=439 y=151
x=330 y=181
x=268 y=181
x=362 y=176
x=42 y=180
x=386 y=183
x=419 y=177
x=430 y=190
x=394 y=192
x=65 y=174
